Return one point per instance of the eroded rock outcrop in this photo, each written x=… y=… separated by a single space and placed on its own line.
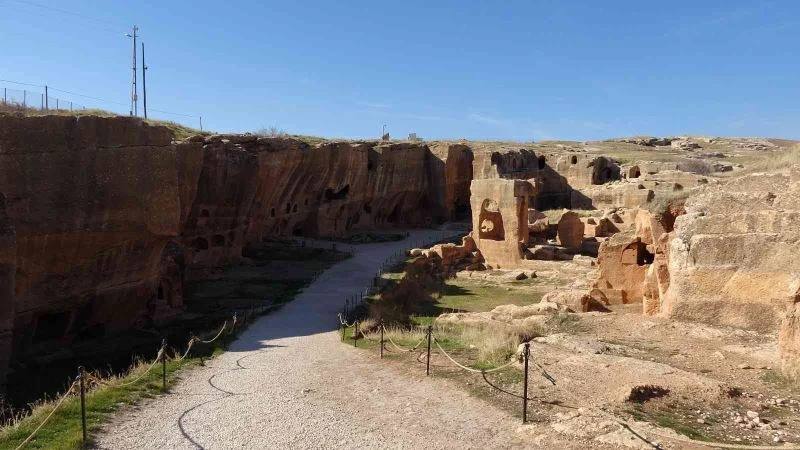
x=735 y=265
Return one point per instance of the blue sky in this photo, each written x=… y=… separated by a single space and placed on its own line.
x=514 y=70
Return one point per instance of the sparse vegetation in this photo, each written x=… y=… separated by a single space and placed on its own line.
x=664 y=201
x=554 y=214
x=271 y=132
x=180 y=131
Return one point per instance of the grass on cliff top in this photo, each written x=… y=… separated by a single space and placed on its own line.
x=179 y=131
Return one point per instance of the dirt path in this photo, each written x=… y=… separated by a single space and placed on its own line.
x=288 y=382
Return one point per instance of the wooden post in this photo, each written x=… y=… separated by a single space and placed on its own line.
x=82 y=376
x=164 y=364
x=428 y=362
x=381 y=325
x=526 y=353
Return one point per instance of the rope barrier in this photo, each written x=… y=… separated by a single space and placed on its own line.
x=470 y=369
x=389 y=338
x=191 y=343
x=367 y=337
x=155 y=361
x=58 y=405
x=344 y=323
x=86 y=376
x=224 y=325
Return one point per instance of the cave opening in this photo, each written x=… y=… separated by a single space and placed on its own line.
x=394 y=216
x=200 y=244
x=542 y=162
x=644 y=257
x=341 y=194
x=272 y=212
x=462 y=210
x=51 y=326
x=574 y=159
x=490 y=221
x=637 y=253
x=367 y=208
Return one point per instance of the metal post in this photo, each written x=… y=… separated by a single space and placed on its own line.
x=164 y=364
x=428 y=362
x=341 y=329
x=526 y=353
x=5 y=95
x=381 y=325
x=82 y=376
x=201 y=123
x=70 y=106
x=144 y=82
x=134 y=91
x=46 y=101
x=24 y=98
x=355 y=335
x=42 y=102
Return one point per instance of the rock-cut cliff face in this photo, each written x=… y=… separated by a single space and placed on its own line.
x=95 y=205
x=733 y=259
x=102 y=220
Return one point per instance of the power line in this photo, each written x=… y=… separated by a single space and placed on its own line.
x=174 y=114
x=23 y=84
x=85 y=96
x=64 y=11
x=95 y=98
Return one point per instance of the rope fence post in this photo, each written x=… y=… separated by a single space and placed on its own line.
x=526 y=353
x=164 y=364
x=355 y=335
x=82 y=376
x=341 y=328
x=381 y=325
x=428 y=362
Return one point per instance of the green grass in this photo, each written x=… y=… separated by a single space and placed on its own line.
x=179 y=131
x=64 y=428
x=213 y=298
x=468 y=297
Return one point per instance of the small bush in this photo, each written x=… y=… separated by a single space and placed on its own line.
x=271 y=132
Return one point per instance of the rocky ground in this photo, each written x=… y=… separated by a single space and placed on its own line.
x=668 y=380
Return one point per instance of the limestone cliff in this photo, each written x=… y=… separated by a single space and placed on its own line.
x=104 y=219
x=733 y=260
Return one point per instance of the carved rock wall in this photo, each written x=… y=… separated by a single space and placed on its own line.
x=95 y=202
x=103 y=219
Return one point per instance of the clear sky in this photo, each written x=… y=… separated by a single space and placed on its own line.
x=511 y=70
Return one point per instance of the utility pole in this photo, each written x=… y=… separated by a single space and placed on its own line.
x=134 y=92
x=144 y=83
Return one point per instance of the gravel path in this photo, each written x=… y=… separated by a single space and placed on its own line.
x=288 y=382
